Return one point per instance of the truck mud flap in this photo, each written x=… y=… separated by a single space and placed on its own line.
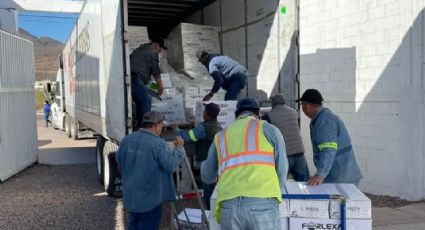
x=114 y=187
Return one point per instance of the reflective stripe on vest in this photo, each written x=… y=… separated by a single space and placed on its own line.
x=246 y=163
x=252 y=154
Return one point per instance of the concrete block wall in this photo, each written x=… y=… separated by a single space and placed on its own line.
x=367 y=59
x=260 y=37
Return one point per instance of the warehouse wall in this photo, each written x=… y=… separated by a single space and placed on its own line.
x=367 y=59
x=260 y=37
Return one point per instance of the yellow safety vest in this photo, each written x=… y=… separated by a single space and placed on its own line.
x=246 y=163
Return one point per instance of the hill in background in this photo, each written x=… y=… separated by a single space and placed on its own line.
x=46 y=52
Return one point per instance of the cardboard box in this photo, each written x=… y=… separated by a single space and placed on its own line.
x=166 y=81
x=185 y=39
x=358 y=205
x=137 y=35
x=329 y=224
x=306 y=208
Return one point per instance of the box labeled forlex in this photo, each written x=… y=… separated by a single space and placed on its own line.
x=358 y=205
x=296 y=223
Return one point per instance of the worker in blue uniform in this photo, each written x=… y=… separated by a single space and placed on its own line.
x=227 y=73
x=333 y=153
x=203 y=135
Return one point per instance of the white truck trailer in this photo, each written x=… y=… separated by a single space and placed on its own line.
x=94 y=77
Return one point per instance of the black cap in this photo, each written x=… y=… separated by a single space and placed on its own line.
x=160 y=42
x=312 y=96
x=212 y=110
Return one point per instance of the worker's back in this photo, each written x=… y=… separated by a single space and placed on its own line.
x=286 y=119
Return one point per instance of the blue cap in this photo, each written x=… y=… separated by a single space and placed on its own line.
x=247 y=103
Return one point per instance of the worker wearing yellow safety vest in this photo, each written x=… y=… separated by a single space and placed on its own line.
x=250 y=161
x=333 y=153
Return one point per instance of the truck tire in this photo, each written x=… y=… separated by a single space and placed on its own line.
x=100 y=144
x=67 y=126
x=111 y=176
x=74 y=129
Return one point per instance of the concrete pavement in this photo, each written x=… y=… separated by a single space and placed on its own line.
x=55 y=148
x=410 y=217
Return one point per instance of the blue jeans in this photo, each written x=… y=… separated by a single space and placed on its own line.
x=140 y=95
x=145 y=220
x=46 y=118
x=208 y=191
x=234 y=85
x=246 y=213
x=298 y=167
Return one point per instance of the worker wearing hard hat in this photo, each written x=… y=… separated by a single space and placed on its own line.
x=333 y=153
x=227 y=73
x=250 y=161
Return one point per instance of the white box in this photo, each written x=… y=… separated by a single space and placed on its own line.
x=358 y=205
x=306 y=208
x=166 y=81
x=137 y=35
x=227 y=112
x=284 y=209
x=264 y=110
x=309 y=208
x=183 y=42
x=331 y=224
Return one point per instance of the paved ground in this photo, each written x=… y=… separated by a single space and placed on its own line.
x=61 y=192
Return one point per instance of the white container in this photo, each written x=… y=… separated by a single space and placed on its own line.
x=137 y=35
x=307 y=224
x=18 y=129
x=358 y=205
x=183 y=42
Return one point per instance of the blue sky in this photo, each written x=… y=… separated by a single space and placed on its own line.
x=54 y=25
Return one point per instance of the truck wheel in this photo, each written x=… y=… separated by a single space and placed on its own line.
x=74 y=129
x=111 y=176
x=67 y=126
x=100 y=143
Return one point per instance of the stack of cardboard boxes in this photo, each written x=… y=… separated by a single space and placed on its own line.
x=319 y=214
x=183 y=42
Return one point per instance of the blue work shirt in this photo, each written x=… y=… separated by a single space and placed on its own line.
x=147 y=165
x=194 y=134
x=46 y=108
x=222 y=69
x=333 y=153
x=209 y=167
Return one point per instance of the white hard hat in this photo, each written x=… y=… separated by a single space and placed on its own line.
x=199 y=52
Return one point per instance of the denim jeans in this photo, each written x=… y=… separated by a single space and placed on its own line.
x=246 y=213
x=46 y=118
x=235 y=84
x=140 y=95
x=298 y=167
x=208 y=191
x=146 y=220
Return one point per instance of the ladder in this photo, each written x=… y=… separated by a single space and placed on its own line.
x=174 y=214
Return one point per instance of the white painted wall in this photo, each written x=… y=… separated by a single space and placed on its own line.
x=367 y=59
x=257 y=35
